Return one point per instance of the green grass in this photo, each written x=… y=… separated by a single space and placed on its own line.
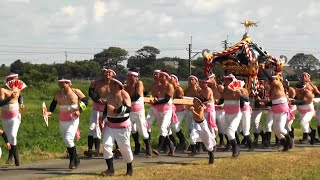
x=37 y=141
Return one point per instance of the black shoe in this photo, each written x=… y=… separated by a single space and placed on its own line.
x=76 y=158
x=285 y=144
x=304 y=139
x=193 y=150
x=237 y=138
x=88 y=153
x=267 y=140
x=136 y=143
x=312 y=136
x=72 y=164
x=211 y=157
x=255 y=140
x=129 y=169
x=16 y=156
x=10 y=156
x=249 y=142
x=289 y=140
x=221 y=142
x=235 y=148
x=199 y=147
x=110 y=170
x=148 y=148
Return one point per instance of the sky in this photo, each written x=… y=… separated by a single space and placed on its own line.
x=43 y=31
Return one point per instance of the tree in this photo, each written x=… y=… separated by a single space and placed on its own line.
x=111 y=56
x=304 y=62
x=148 y=52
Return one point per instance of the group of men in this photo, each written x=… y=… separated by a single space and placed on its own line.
x=119 y=112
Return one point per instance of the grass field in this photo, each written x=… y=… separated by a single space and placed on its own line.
x=296 y=164
x=36 y=141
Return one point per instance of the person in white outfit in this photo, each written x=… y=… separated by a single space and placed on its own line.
x=72 y=102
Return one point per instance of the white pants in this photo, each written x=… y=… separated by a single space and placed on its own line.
x=288 y=125
x=151 y=117
x=201 y=131
x=220 y=118
x=304 y=121
x=164 y=122
x=279 y=123
x=206 y=116
x=189 y=121
x=68 y=131
x=269 y=121
x=122 y=136
x=139 y=124
x=245 y=122
x=94 y=129
x=177 y=126
x=11 y=127
x=232 y=124
x=256 y=117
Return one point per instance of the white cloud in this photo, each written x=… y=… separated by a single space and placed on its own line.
x=264 y=11
x=69 y=10
x=18 y=1
x=164 y=19
x=112 y=7
x=172 y=35
x=99 y=11
x=202 y=6
x=129 y=12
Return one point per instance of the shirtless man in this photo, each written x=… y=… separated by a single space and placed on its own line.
x=11 y=120
x=135 y=89
x=280 y=109
x=304 y=101
x=178 y=113
x=201 y=129
x=192 y=90
x=210 y=113
x=217 y=90
x=154 y=89
x=117 y=127
x=291 y=93
x=306 y=79
x=163 y=104
x=231 y=100
x=98 y=91
x=72 y=102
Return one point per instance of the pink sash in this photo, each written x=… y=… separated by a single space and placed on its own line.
x=137 y=107
x=67 y=116
x=305 y=111
x=179 y=107
x=98 y=107
x=209 y=109
x=246 y=107
x=232 y=109
x=174 y=115
x=124 y=124
x=282 y=108
x=163 y=107
x=9 y=114
x=218 y=108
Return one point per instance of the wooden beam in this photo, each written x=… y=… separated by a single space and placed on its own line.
x=184 y=101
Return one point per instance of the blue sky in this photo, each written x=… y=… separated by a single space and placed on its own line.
x=41 y=31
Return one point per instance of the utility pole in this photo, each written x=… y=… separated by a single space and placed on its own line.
x=225 y=43
x=189 y=49
x=66 y=53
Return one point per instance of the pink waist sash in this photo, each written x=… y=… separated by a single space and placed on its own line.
x=137 y=107
x=124 y=124
x=305 y=111
x=67 y=116
x=246 y=107
x=210 y=109
x=218 y=108
x=282 y=108
x=174 y=115
x=8 y=114
x=179 y=107
x=232 y=109
x=163 y=107
x=98 y=107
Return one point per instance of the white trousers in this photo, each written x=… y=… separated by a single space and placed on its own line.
x=164 y=122
x=201 y=131
x=151 y=117
x=189 y=121
x=11 y=127
x=269 y=121
x=245 y=122
x=232 y=124
x=177 y=126
x=68 y=131
x=256 y=117
x=279 y=123
x=206 y=116
x=94 y=129
x=220 y=118
x=139 y=124
x=122 y=136
x=288 y=125
x=305 y=121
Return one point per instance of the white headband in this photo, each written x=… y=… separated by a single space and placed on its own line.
x=165 y=73
x=118 y=82
x=156 y=71
x=64 y=80
x=10 y=76
x=133 y=73
x=212 y=75
x=109 y=70
x=192 y=76
x=174 y=76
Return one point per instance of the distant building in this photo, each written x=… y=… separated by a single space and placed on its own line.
x=172 y=63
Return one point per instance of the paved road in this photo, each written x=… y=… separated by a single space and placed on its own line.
x=53 y=168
